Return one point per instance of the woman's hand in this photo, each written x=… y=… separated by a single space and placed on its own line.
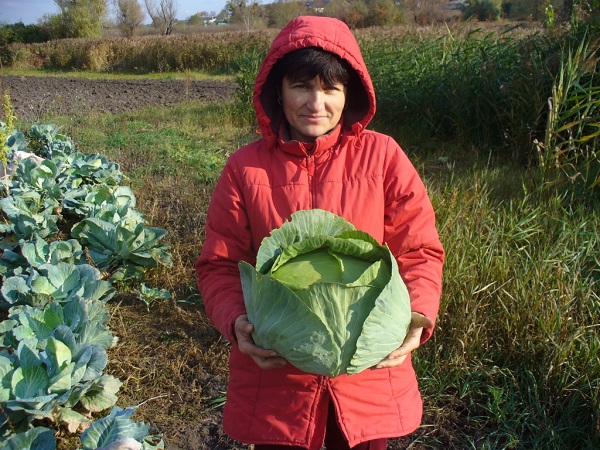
x=264 y=358
x=411 y=341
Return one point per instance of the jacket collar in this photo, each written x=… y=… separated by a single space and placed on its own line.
x=322 y=143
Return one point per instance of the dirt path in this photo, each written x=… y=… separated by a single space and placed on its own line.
x=32 y=97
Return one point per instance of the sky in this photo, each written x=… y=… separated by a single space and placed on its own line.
x=30 y=11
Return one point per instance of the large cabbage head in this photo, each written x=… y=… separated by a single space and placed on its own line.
x=327 y=297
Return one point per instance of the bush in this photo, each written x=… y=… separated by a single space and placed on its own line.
x=483 y=10
x=26 y=34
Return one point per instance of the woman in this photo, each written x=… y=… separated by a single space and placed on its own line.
x=313 y=99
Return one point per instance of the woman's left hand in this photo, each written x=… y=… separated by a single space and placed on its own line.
x=411 y=341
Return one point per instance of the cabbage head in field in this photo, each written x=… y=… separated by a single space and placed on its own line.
x=326 y=297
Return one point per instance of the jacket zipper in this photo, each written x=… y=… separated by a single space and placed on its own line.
x=310 y=166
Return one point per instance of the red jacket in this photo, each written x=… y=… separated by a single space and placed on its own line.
x=361 y=175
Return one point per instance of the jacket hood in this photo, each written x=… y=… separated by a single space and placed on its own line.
x=331 y=35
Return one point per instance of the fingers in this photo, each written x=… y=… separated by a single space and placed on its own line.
x=270 y=363
x=265 y=358
x=411 y=342
x=391 y=361
x=420 y=321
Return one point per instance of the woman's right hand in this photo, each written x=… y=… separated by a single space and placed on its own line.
x=264 y=358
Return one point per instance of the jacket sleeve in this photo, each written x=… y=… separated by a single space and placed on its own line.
x=411 y=234
x=228 y=241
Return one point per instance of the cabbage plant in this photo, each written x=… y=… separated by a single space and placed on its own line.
x=35 y=253
x=118 y=431
x=53 y=345
x=122 y=252
x=327 y=297
x=61 y=282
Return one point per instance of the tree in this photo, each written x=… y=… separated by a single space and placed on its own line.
x=81 y=18
x=282 y=11
x=483 y=9
x=130 y=15
x=247 y=12
x=163 y=14
x=383 y=13
x=353 y=12
x=426 y=12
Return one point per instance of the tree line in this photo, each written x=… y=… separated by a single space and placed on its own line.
x=91 y=18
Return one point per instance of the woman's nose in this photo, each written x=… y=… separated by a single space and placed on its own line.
x=315 y=100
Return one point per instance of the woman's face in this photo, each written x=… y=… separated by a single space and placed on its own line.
x=312 y=108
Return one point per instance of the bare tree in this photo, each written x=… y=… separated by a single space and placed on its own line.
x=162 y=13
x=129 y=15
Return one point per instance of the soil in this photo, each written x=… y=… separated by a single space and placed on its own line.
x=171 y=361
x=32 y=97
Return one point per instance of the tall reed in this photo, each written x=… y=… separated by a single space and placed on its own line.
x=569 y=156
x=211 y=52
x=479 y=88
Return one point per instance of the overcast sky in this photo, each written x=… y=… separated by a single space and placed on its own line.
x=29 y=11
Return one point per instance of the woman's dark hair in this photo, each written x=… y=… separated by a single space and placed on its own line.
x=307 y=63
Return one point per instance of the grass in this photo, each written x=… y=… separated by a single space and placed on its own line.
x=518 y=345
x=515 y=360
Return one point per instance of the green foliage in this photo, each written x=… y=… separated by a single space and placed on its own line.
x=129 y=16
x=247 y=71
x=568 y=157
x=122 y=252
x=62 y=282
x=26 y=34
x=38 y=438
x=81 y=18
x=215 y=52
x=81 y=195
x=281 y=12
x=550 y=15
x=112 y=428
x=483 y=9
x=46 y=139
x=6 y=128
x=487 y=90
x=53 y=345
x=57 y=364
x=517 y=335
x=27 y=217
x=150 y=295
x=246 y=12
x=33 y=254
x=366 y=13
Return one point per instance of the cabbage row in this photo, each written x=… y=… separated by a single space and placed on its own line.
x=70 y=231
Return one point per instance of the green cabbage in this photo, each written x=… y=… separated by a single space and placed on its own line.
x=325 y=296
